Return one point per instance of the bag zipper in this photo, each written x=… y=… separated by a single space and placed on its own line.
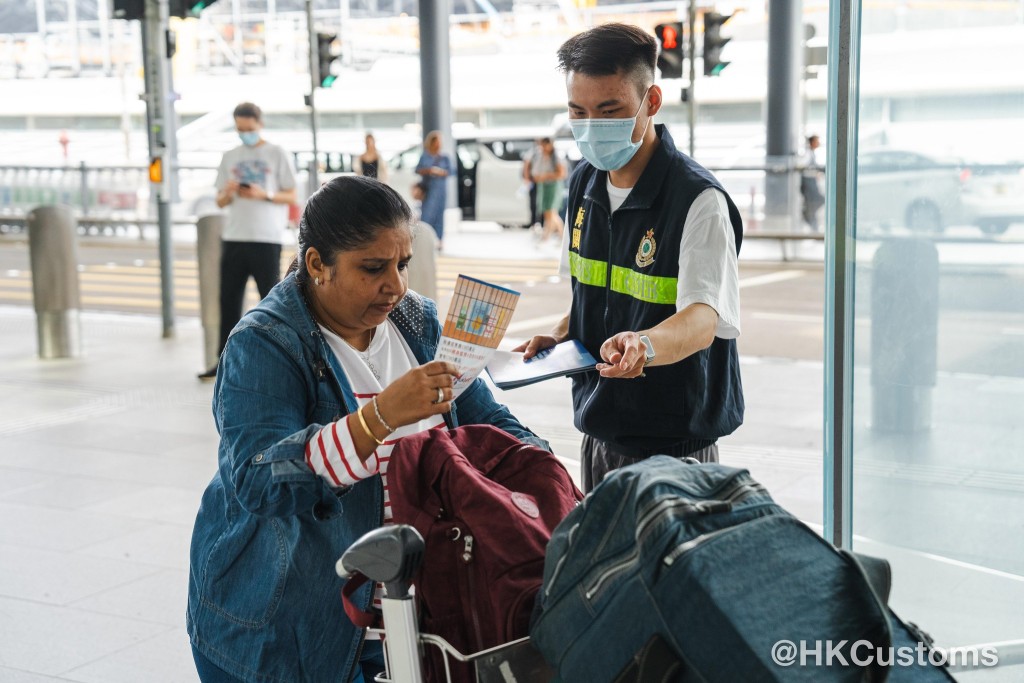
x=664 y=508
x=467 y=559
x=659 y=480
x=694 y=543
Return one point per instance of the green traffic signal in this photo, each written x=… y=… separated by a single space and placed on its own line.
x=325 y=58
x=714 y=42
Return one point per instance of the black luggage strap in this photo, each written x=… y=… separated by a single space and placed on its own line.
x=656 y=662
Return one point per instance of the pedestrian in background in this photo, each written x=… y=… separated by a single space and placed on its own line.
x=317 y=385
x=810 y=183
x=548 y=170
x=256 y=183
x=370 y=163
x=653 y=264
x=531 y=187
x=434 y=166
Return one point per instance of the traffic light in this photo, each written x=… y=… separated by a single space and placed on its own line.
x=325 y=57
x=670 y=54
x=192 y=8
x=136 y=9
x=714 y=42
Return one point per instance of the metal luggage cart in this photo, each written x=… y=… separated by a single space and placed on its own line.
x=391 y=555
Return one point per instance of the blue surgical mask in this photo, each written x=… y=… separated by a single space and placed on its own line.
x=249 y=138
x=608 y=143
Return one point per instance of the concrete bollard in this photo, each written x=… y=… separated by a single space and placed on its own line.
x=53 y=255
x=208 y=248
x=904 y=334
x=423 y=266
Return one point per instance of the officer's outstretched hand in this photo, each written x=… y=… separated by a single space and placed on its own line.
x=536 y=345
x=623 y=356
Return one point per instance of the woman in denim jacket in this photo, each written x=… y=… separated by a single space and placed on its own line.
x=314 y=387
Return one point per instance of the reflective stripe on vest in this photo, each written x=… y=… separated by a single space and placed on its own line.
x=653 y=289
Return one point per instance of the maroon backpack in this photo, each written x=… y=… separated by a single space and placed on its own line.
x=485 y=504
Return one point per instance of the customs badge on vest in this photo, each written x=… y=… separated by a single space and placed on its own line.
x=645 y=252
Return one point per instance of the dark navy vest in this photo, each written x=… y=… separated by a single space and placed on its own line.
x=624 y=273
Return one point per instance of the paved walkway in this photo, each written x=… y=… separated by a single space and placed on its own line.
x=103 y=460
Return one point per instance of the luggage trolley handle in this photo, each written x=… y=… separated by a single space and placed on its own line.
x=391 y=555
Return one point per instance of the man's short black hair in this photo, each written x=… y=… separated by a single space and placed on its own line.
x=248 y=110
x=611 y=49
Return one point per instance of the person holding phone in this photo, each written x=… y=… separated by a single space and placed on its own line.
x=256 y=184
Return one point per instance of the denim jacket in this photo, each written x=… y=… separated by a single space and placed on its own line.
x=263 y=596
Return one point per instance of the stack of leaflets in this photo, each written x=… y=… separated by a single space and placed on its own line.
x=474 y=327
x=477 y=319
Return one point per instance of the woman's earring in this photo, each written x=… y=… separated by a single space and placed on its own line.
x=316 y=281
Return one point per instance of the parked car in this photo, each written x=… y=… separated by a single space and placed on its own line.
x=487 y=182
x=490 y=175
x=899 y=188
x=905 y=189
x=994 y=197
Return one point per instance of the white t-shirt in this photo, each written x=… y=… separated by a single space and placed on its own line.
x=331 y=453
x=256 y=220
x=708 y=269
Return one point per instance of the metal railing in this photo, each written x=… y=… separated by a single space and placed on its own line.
x=105 y=200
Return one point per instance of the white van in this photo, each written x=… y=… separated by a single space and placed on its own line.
x=489 y=180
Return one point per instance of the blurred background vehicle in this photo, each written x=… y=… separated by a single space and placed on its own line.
x=925 y=194
x=905 y=189
x=993 y=197
x=489 y=175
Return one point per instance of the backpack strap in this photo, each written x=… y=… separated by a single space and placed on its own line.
x=361 y=618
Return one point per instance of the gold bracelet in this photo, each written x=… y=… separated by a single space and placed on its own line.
x=380 y=417
x=366 y=427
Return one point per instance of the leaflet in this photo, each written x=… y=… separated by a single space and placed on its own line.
x=474 y=327
x=508 y=370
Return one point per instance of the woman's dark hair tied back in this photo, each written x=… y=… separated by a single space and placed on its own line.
x=346 y=214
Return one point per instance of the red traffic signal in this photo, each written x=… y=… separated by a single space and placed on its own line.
x=670 y=54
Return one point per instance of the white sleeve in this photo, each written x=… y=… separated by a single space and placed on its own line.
x=708 y=270
x=563 y=258
x=222 y=173
x=285 y=172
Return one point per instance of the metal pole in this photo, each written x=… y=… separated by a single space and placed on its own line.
x=785 y=47
x=314 y=83
x=345 y=32
x=83 y=189
x=53 y=254
x=208 y=250
x=41 y=19
x=76 y=56
x=161 y=126
x=103 y=14
x=236 y=38
x=692 y=20
x=840 y=232
x=435 y=78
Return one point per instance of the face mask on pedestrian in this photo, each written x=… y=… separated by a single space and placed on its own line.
x=608 y=143
x=249 y=138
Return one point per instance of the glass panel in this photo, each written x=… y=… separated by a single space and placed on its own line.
x=938 y=401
